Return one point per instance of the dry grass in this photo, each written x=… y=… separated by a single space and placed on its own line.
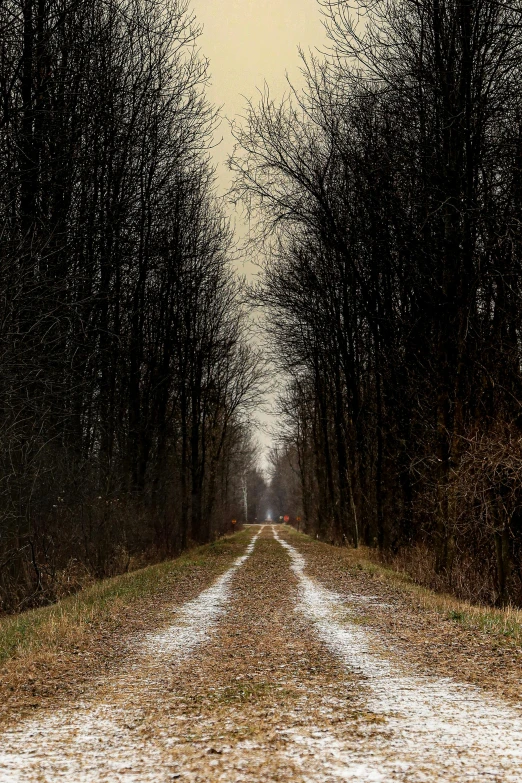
x=231 y=710
x=262 y=678
x=506 y=624
x=68 y=623
x=263 y=698
x=435 y=633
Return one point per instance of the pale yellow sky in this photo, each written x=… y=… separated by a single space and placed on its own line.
x=250 y=43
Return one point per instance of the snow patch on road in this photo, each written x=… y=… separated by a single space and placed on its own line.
x=111 y=741
x=196 y=617
x=435 y=729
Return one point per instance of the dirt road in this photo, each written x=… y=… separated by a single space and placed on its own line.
x=276 y=672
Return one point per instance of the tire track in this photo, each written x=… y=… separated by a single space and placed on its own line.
x=110 y=740
x=434 y=729
x=264 y=678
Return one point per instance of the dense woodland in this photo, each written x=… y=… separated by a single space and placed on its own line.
x=125 y=375
x=389 y=198
x=387 y=194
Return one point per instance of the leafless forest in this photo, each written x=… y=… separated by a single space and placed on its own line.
x=358 y=268
x=389 y=191
x=387 y=197
x=125 y=374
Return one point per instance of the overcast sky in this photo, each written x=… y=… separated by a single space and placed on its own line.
x=248 y=43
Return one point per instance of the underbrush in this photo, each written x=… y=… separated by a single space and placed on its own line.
x=467 y=579
x=68 y=622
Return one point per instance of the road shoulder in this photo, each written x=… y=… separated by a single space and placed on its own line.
x=83 y=640
x=414 y=625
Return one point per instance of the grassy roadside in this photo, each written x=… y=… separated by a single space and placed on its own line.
x=70 y=622
x=503 y=624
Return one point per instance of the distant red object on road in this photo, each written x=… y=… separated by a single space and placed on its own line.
x=286 y=518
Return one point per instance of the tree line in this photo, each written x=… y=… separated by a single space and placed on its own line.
x=389 y=195
x=125 y=373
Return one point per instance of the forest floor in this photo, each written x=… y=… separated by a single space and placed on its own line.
x=280 y=660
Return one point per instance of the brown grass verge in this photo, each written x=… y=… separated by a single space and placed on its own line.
x=505 y=623
x=437 y=633
x=56 y=651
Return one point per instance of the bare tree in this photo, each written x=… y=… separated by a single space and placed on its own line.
x=386 y=192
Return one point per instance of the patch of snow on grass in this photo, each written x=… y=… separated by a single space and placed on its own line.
x=435 y=729
x=87 y=746
x=108 y=742
x=196 y=617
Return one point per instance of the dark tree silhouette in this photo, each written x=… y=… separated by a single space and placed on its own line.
x=125 y=373
x=389 y=189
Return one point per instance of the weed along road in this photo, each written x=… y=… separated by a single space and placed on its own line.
x=287 y=661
